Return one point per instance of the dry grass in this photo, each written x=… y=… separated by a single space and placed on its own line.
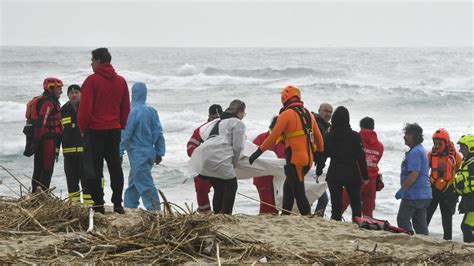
x=157 y=237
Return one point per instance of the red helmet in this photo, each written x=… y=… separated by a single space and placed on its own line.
x=49 y=84
x=441 y=134
x=290 y=92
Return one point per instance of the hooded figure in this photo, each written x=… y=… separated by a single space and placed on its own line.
x=144 y=142
x=348 y=165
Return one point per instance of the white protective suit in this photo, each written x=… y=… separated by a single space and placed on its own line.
x=218 y=154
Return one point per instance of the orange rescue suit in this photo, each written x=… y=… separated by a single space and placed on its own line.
x=298 y=151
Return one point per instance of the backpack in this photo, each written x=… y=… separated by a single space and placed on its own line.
x=32 y=121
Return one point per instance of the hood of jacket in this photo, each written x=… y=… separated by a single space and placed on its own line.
x=106 y=70
x=340 y=121
x=139 y=92
x=368 y=136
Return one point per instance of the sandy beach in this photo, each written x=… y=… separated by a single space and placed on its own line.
x=170 y=237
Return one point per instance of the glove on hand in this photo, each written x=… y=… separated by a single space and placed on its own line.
x=255 y=155
x=399 y=194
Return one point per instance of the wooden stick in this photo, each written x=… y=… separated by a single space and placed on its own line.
x=217 y=254
x=268 y=204
x=19 y=195
x=36 y=221
x=166 y=203
x=91 y=220
x=14 y=177
x=375 y=248
x=19 y=232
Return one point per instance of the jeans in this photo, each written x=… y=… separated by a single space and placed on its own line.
x=416 y=211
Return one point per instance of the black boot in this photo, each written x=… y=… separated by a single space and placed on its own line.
x=99 y=209
x=119 y=209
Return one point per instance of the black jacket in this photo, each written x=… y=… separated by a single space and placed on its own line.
x=348 y=163
x=71 y=139
x=322 y=124
x=344 y=147
x=323 y=127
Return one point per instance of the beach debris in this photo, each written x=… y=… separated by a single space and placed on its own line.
x=91 y=220
x=175 y=236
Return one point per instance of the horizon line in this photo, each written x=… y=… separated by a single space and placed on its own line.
x=235 y=47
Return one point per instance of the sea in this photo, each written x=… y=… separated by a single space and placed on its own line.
x=430 y=86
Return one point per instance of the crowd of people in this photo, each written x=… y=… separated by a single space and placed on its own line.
x=99 y=123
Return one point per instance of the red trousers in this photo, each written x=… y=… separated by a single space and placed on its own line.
x=203 y=187
x=264 y=186
x=367 y=195
x=45 y=154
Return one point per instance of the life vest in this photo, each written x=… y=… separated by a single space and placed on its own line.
x=305 y=118
x=464 y=181
x=38 y=127
x=51 y=128
x=376 y=224
x=443 y=168
x=32 y=121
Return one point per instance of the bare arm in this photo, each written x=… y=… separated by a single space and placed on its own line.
x=412 y=176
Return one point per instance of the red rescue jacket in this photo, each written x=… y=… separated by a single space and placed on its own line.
x=373 y=149
x=194 y=141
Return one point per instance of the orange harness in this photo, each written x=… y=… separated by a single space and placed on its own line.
x=443 y=169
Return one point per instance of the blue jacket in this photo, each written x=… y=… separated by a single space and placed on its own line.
x=143 y=136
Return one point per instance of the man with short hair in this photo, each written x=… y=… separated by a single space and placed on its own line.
x=103 y=112
x=72 y=148
x=322 y=119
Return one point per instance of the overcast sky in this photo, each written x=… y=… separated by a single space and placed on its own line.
x=236 y=24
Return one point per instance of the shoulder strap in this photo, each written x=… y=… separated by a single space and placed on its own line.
x=215 y=130
x=305 y=118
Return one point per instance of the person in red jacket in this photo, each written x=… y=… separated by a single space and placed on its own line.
x=203 y=186
x=373 y=149
x=264 y=184
x=47 y=133
x=103 y=112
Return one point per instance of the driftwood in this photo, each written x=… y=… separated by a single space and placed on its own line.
x=178 y=236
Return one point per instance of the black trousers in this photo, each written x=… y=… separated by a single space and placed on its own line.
x=74 y=169
x=353 y=190
x=100 y=145
x=43 y=164
x=467 y=230
x=293 y=189
x=447 y=204
x=224 y=194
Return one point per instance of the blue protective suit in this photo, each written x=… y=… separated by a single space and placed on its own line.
x=143 y=140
